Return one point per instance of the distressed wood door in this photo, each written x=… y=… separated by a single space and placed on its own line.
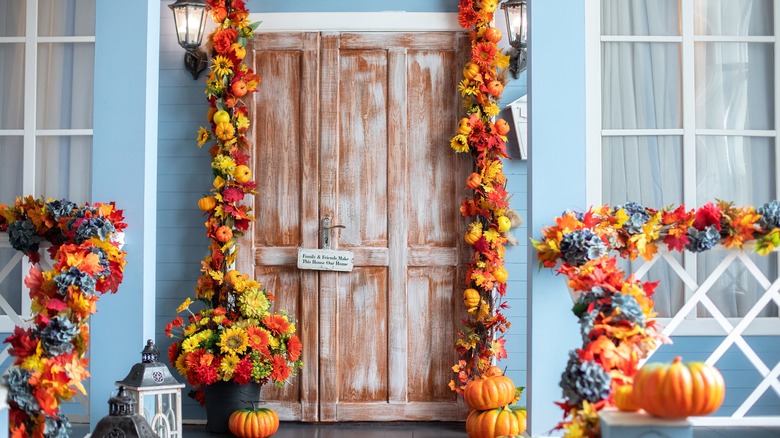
x=366 y=145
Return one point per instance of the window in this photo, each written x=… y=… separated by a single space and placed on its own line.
x=47 y=64
x=687 y=114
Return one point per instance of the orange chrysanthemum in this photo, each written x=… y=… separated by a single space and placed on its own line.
x=294 y=348
x=280 y=371
x=277 y=324
x=484 y=54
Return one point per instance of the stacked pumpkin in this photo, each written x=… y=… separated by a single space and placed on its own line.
x=675 y=390
x=489 y=397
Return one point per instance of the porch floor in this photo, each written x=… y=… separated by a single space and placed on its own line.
x=423 y=430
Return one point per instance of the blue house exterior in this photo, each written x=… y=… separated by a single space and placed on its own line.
x=147 y=110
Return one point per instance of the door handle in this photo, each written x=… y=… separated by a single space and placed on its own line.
x=325 y=227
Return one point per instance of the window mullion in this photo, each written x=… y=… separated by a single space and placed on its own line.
x=30 y=96
x=689 y=129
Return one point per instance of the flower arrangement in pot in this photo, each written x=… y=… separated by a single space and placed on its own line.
x=229 y=337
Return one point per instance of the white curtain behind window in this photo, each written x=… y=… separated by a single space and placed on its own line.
x=642 y=89
x=64 y=100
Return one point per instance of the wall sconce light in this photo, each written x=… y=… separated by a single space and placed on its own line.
x=189 y=17
x=517 y=26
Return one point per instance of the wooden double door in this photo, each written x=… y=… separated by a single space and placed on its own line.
x=356 y=128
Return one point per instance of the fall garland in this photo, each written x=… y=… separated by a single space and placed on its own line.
x=481 y=339
x=616 y=311
x=49 y=363
x=235 y=337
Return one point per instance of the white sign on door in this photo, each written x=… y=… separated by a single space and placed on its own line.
x=325 y=259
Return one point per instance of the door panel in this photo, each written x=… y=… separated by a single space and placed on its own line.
x=285 y=165
x=356 y=127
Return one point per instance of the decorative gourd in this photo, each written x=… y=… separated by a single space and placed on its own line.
x=207 y=203
x=224 y=233
x=624 y=399
x=489 y=392
x=679 y=390
x=502 y=127
x=500 y=274
x=496 y=422
x=253 y=423
x=471 y=298
x=472 y=235
x=474 y=180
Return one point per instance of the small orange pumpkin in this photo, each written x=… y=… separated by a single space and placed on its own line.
x=502 y=127
x=242 y=174
x=253 y=423
x=679 y=390
x=223 y=234
x=493 y=35
x=238 y=88
x=496 y=422
x=207 y=203
x=471 y=71
x=495 y=88
x=472 y=235
x=489 y=392
x=471 y=298
x=624 y=399
x=500 y=274
x=474 y=180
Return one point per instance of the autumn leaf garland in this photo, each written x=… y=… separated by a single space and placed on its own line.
x=481 y=339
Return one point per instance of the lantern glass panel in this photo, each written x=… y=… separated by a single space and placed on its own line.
x=190 y=23
x=516 y=21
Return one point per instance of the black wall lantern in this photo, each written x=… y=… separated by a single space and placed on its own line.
x=517 y=26
x=189 y=17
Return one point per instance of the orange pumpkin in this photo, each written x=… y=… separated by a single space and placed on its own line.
x=495 y=88
x=471 y=71
x=500 y=274
x=496 y=422
x=238 y=88
x=489 y=392
x=493 y=35
x=624 y=399
x=502 y=127
x=207 y=203
x=253 y=423
x=223 y=234
x=679 y=390
x=470 y=298
x=474 y=180
x=472 y=235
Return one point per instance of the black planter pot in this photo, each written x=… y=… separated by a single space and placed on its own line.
x=222 y=398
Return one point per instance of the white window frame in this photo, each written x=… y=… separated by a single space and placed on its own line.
x=594 y=133
x=30 y=135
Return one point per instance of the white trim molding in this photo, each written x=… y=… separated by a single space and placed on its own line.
x=356 y=22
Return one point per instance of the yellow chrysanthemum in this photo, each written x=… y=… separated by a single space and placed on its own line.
x=491 y=110
x=203 y=136
x=253 y=303
x=233 y=341
x=223 y=164
x=222 y=66
x=190 y=344
x=184 y=305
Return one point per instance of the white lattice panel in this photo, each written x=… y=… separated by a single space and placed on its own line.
x=734 y=329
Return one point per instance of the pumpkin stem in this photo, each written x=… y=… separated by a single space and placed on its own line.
x=677 y=359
